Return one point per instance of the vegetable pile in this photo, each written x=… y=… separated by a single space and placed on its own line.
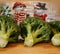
x=32 y=30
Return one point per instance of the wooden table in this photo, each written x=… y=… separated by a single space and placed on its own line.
x=41 y=48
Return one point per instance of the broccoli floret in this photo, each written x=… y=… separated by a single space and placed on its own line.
x=35 y=30
x=7 y=28
x=55 y=25
x=56 y=39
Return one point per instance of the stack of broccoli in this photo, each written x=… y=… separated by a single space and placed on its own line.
x=32 y=30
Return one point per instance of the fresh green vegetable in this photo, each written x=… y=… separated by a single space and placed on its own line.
x=56 y=39
x=55 y=25
x=7 y=28
x=54 y=30
x=35 y=30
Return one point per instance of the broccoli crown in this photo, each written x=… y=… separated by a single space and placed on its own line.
x=34 y=30
x=7 y=28
x=55 y=24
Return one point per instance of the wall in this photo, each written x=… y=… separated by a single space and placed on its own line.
x=55 y=2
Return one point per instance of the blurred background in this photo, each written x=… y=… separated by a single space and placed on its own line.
x=54 y=2
x=53 y=5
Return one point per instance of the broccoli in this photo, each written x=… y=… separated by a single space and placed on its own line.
x=56 y=39
x=35 y=30
x=55 y=25
x=56 y=32
x=7 y=28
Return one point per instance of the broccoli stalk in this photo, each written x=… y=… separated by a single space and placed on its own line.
x=37 y=31
x=7 y=28
x=56 y=39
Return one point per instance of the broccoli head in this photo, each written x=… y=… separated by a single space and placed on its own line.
x=7 y=28
x=55 y=25
x=34 y=30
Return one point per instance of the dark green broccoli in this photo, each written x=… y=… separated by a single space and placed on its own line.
x=55 y=25
x=7 y=28
x=35 y=30
x=56 y=32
